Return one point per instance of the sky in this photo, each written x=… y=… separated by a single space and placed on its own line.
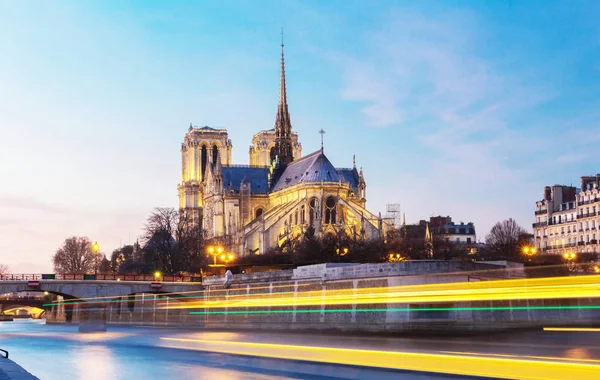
x=460 y=108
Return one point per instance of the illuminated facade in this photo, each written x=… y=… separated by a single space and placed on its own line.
x=568 y=218
x=276 y=198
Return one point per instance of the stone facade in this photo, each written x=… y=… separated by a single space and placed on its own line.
x=567 y=218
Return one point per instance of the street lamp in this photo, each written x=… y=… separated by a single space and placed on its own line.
x=227 y=257
x=157 y=275
x=215 y=251
x=569 y=256
x=96 y=249
x=342 y=252
x=529 y=251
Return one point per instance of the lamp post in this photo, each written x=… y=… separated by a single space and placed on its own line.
x=215 y=251
x=96 y=249
x=227 y=258
x=529 y=251
x=569 y=258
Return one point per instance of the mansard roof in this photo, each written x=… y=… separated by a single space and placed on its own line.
x=315 y=167
x=258 y=178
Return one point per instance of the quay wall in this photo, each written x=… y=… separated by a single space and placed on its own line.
x=180 y=311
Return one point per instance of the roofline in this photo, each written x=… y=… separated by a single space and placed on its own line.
x=343 y=184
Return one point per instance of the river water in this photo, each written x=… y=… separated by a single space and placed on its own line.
x=60 y=352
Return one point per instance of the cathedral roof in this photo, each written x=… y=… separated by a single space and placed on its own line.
x=315 y=167
x=256 y=176
x=349 y=176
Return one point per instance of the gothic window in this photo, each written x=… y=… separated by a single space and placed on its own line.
x=296 y=217
x=314 y=210
x=272 y=155
x=330 y=211
x=203 y=158
x=302 y=215
x=215 y=152
x=259 y=212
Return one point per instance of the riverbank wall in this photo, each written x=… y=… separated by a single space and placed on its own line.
x=318 y=314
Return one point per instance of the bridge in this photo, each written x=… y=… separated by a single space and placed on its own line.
x=94 y=285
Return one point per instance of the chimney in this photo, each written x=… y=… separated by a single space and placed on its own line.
x=547 y=193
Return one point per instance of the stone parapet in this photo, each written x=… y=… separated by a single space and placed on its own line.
x=10 y=370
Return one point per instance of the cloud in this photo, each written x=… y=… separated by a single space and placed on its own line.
x=427 y=76
x=570 y=158
x=29 y=204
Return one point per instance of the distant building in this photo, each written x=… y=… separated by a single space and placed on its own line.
x=566 y=219
x=443 y=227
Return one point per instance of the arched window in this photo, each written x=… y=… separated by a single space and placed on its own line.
x=330 y=211
x=302 y=215
x=314 y=210
x=272 y=155
x=203 y=158
x=215 y=153
x=296 y=217
x=259 y=212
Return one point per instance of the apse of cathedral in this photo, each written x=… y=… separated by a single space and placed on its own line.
x=275 y=199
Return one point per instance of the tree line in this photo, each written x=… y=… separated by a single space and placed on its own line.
x=172 y=244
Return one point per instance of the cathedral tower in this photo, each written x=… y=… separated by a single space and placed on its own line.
x=201 y=147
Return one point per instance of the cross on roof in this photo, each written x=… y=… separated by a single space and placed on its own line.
x=322 y=132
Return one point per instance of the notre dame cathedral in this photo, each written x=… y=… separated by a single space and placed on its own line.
x=272 y=201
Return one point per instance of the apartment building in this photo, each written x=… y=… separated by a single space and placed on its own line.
x=566 y=219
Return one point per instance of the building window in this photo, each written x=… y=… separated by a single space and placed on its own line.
x=314 y=210
x=272 y=154
x=469 y=240
x=302 y=215
x=259 y=212
x=296 y=217
x=330 y=211
x=203 y=159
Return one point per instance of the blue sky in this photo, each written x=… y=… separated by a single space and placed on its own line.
x=461 y=108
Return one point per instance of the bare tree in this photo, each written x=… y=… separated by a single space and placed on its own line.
x=505 y=238
x=172 y=241
x=76 y=256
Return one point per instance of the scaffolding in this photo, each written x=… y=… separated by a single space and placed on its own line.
x=393 y=214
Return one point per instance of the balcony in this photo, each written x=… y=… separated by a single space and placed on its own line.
x=581 y=243
x=593 y=241
x=539 y=224
x=541 y=212
x=587 y=214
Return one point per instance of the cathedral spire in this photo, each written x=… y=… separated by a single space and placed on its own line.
x=283 y=124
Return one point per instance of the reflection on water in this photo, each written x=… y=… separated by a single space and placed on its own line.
x=100 y=358
x=58 y=352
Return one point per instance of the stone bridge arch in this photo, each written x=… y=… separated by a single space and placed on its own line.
x=86 y=289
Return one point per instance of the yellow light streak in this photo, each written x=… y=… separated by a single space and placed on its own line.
x=438 y=363
x=528 y=289
x=572 y=329
x=553 y=358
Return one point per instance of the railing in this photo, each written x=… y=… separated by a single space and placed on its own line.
x=540 y=224
x=99 y=277
x=587 y=214
x=541 y=212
